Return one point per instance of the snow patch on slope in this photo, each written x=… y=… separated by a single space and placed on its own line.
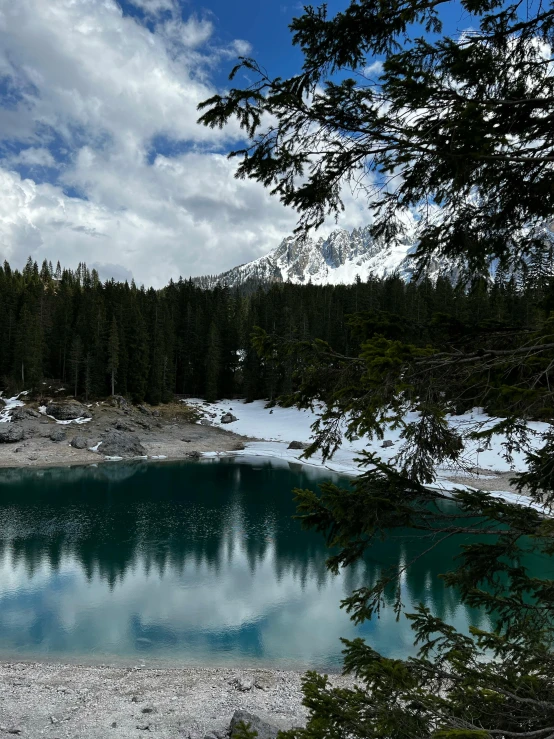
x=7 y=405
x=339 y=259
x=345 y=255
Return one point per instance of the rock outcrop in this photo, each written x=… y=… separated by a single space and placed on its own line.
x=10 y=433
x=22 y=414
x=121 y=444
x=339 y=258
x=79 y=442
x=68 y=411
x=118 y=401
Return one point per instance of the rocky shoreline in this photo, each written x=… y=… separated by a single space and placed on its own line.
x=62 y=433
x=61 y=701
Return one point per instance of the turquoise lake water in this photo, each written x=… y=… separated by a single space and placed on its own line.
x=189 y=563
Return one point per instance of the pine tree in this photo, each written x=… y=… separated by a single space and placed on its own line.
x=75 y=360
x=88 y=375
x=213 y=359
x=28 y=349
x=113 y=354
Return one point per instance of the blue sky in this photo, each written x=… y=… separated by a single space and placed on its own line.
x=101 y=158
x=263 y=24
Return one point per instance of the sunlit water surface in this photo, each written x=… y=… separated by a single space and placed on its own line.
x=189 y=563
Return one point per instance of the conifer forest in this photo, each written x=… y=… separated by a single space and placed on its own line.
x=114 y=337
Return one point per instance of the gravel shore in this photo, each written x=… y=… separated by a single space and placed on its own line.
x=166 y=433
x=96 y=702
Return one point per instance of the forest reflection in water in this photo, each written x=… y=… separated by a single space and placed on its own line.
x=196 y=562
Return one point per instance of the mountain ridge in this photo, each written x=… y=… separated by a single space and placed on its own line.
x=340 y=258
x=344 y=256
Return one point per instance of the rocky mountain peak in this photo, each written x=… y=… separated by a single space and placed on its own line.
x=339 y=258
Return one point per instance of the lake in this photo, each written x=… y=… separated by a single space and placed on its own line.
x=189 y=563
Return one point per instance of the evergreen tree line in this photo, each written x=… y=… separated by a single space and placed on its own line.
x=114 y=337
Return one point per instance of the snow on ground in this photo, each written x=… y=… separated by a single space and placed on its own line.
x=276 y=427
x=80 y=420
x=7 y=405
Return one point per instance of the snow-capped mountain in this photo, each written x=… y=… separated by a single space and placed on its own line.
x=345 y=255
x=339 y=258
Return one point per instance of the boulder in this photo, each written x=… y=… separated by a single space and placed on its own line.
x=121 y=444
x=68 y=411
x=10 y=433
x=265 y=730
x=205 y=422
x=79 y=442
x=144 y=410
x=228 y=418
x=122 y=426
x=22 y=414
x=387 y=443
x=58 y=435
x=297 y=445
x=118 y=401
x=19 y=414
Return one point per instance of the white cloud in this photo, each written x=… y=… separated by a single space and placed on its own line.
x=93 y=90
x=34 y=157
x=153 y=7
x=194 y=32
x=374 y=70
x=111 y=106
x=182 y=216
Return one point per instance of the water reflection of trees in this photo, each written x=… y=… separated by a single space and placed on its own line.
x=171 y=517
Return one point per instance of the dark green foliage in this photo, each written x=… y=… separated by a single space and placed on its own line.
x=485 y=684
x=113 y=353
x=185 y=340
x=464 y=123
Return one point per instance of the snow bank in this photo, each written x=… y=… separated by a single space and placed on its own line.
x=276 y=427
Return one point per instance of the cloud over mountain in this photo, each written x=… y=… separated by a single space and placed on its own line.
x=101 y=156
